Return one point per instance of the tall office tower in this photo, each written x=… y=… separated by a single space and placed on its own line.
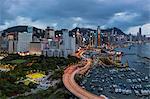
x=114 y=33
x=66 y=42
x=91 y=40
x=130 y=37
x=73 y=43
x=96 y=38
x=99 y=36
x=49 y=33
x=11 y=42
x=79 y=38
x=140 y=31
x=66 y=39
x=10 y=46
x=24 y=40
x=140 y=34
x=109 y=36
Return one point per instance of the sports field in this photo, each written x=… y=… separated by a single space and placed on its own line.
x=35 y=75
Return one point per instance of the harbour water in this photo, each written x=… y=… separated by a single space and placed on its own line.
x=126 y=83
x=138 y=57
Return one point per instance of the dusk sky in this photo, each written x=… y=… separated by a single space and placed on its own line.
x=127 y=15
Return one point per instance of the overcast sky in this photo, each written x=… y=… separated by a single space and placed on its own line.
x=127 y=15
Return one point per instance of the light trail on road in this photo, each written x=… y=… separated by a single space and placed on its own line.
x=72 y=86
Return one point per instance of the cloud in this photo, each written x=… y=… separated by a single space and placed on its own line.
x=26 y=21
x=65 y=13
x=78 y=19
x=122 y=19
x=124 y=16
x=74 y=25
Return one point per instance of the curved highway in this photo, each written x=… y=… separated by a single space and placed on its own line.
x=72 y=86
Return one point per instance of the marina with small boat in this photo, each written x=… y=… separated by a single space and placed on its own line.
x=130 y=82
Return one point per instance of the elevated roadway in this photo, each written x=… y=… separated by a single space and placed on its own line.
x=72 y=86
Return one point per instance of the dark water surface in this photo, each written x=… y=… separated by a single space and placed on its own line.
x=138 y=57
x=100 y=80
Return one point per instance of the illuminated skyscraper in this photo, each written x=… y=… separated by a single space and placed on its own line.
x=79 y=38
x=91 y=40
x=98 y=37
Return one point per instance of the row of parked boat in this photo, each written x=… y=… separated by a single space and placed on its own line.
x=124 y=81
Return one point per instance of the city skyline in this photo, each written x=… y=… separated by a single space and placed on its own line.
x=127 y=15
x=69 y=49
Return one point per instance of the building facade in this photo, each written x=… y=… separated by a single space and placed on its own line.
x=35 y=48
x=19 y=37
x=23 y=42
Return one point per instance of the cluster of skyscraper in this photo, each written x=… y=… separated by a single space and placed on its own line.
x=60 y=43
x=26 y=39
x=139 y=38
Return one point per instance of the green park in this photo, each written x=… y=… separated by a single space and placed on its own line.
x=26 y=69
